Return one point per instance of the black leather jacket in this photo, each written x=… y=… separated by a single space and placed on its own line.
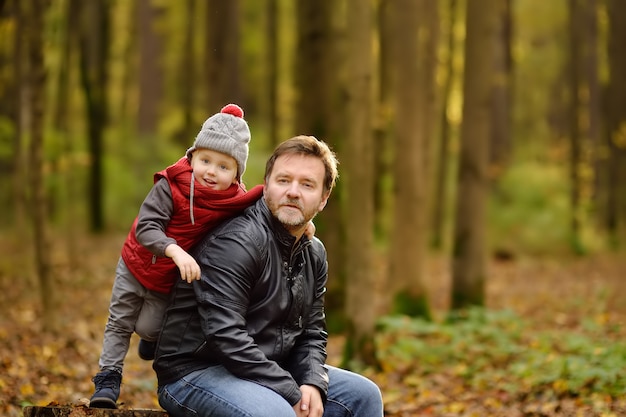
x=258 y=309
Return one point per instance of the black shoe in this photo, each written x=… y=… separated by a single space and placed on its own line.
x=107 y=389
x=146 y=350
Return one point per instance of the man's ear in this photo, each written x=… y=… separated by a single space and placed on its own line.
x=323 y=202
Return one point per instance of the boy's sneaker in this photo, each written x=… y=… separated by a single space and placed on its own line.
x=146 y=350
x=107 y=389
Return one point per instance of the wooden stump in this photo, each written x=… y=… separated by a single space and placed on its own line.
x=82 y=411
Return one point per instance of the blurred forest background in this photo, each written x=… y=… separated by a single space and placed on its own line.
x=482 y=181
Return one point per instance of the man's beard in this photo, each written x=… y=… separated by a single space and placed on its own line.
x=293 y=218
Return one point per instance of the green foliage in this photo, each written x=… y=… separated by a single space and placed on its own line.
x=414 y=306
x=499 y=349
x=530 y=211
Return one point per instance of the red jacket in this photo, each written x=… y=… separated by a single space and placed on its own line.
x=210 y=208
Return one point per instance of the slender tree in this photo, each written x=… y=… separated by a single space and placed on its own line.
x=34 y=12
x=18 y=194
x=315 y=77
x=222 y=63
x=444 y=156
x=187 y=77
x=151 y=74
x=616 y=125
x=469 y=244
x=576 y=85
x=407 y=251
x=359 y=186
x=383 y=127
x=94 y=41
x=273 y=59
x=500 y=138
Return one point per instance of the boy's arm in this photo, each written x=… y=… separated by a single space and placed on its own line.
x=189 y=268
x=154 y=215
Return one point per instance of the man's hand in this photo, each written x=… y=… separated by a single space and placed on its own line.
x=189 y=268
x=310 y=405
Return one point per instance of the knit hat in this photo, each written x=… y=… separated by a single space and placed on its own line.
x=225 y=132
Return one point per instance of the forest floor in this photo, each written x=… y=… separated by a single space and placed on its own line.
x=55 y=368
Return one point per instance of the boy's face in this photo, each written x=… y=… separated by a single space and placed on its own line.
x=214 y=169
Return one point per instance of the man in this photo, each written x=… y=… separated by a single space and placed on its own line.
x=249 y=338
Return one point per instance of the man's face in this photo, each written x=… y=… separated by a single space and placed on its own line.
x=294 y=191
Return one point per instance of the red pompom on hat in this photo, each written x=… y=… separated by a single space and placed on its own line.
x=233 y=109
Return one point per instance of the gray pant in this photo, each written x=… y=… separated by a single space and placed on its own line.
x=133 y=308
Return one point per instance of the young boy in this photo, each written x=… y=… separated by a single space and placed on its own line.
x=188 y=199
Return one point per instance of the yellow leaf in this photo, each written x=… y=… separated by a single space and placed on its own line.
x=27 y=389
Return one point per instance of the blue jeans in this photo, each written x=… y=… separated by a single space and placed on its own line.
x=216 y=392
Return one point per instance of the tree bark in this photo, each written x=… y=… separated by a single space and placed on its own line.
x=469 y=245
x=500 y=138
x=407 y=251
x=359 y=187
x=94 y=40
x=80 y=411
x=273 y=60
x=36 y=83
x=315 y=110
x=150 y=67
x=616 y=126
x=440 y=199
x=222 y=59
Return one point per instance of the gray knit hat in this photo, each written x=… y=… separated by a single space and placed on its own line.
x=225 y=132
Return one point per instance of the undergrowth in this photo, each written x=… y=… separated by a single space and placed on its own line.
x=498 y=349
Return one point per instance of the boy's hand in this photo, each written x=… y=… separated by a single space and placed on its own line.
x=310 y=230
x=189 y=268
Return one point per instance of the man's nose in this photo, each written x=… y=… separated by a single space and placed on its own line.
x=293 y=189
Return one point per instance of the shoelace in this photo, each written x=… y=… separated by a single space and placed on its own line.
x=110 y=380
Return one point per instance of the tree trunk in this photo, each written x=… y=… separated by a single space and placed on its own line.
x=273 y=60
x=36 y=83
x=315 y=111
x=616 y=125
x=21 y=108
x=150 y=68
x=500 y=138
x=383 y=126
x=407 y=250
x=440 y=195
x=469 y=245
x=187 y=79
x=577 y=117
x=94 y=40
x=360 y=304
x=80 y=411
x=222 y=59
